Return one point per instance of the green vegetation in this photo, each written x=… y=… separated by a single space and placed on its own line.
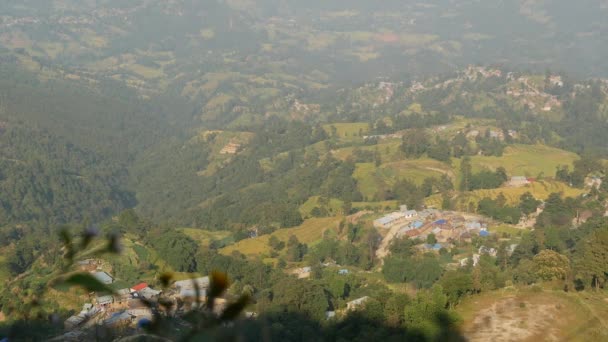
x=526 y=160
x=245 y=121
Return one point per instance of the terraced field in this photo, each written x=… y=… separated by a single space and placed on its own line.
x=348 y=129
x=388 y=149
x=526 y=160
x=310 y=232
x=371 y=179
x=204 y=237
x=540 y=190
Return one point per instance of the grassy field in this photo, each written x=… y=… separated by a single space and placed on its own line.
x=371 y=179
x=510 y=230
x=204 y=237
x=541 y=315
x=348 y=130
x=388 y=149
x=540 y=190
x=334 y=207
x=381 y=205
x=526 y=160
x=309 y=232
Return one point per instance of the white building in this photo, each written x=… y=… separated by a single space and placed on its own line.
x=390 y=220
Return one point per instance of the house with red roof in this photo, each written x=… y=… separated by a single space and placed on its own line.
x=139 y=287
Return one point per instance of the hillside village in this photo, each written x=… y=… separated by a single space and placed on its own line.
x=125 y=308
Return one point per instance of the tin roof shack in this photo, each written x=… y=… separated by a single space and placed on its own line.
x=465 y=261
x=518 y=181
x=89 y=265
x=122 y=296
x=489 y=251
x=103 y=277
x=303 y=272
x=354 y=304
x=88 y=311
x=119 y=319
x=104 y=300
x=140 y=313
x=149 y=293
x=187 y=288
x=390 y=220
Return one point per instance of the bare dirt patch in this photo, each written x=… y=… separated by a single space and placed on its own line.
x=511 y=319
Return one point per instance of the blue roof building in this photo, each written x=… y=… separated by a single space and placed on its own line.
x=434 y=247
x=441 y=222
x=484 y=233
x=416 y=224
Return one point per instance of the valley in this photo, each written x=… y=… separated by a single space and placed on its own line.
x=281 y=170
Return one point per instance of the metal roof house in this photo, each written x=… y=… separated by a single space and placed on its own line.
x=118 y=318
x=390 y=220
x=103 y=277
x=148 y=293
x=472 y=225
x=355 y=303
x=105 y=300
x=202 y=283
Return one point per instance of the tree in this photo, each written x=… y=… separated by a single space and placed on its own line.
x=456 y=284
x=22 y=257
x=415 y=143
x=431 y=239
x=528 y=203
x=550 y=265
x=424 y=310
x=465 y=174
x=275 y=243
x=347 y=207
x=440 y=151
x=556 y=213
x=295 y=295
x=295 y=249
x=394 y=309
x=525 y=272
x=591 y=259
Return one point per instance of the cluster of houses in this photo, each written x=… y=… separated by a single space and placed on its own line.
x=395 y=218
x=446 y=226
x=125 y=307
x=383 y=136
x=483 y=250
x=306 y=271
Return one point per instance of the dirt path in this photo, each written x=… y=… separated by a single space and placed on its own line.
x=449 y=173
x=386 y=242
x=354 y=218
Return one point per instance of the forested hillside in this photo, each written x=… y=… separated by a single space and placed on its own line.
x=356 y=170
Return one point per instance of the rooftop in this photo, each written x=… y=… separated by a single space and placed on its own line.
x=103 y=277
x=139 y=287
